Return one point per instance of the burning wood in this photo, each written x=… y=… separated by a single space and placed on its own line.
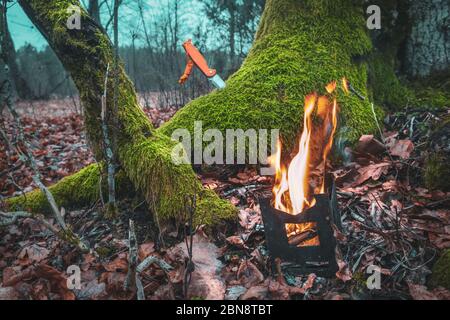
x=298 y=221
x=301 y=238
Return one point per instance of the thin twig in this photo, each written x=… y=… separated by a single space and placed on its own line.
x=189 y=240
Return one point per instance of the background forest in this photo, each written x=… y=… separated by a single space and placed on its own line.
x=150 y=37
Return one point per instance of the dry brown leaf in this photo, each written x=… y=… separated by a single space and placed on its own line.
x=117 y=265
x=236 y=241
x=114 y=281
x=368 y=144
x=256 y=293
x=206 y=281
x=402 y=149
x=32 y=254
x=9 y=293
x=372 y=171
x=309 y=283
x=146 y=249
x=344 y=272
x=249 y=275
x=234 y=201
x=420 y=292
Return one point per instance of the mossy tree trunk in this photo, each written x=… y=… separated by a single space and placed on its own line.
x=299 y=48
x=144 y=154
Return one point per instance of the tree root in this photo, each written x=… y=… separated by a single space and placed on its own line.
x=165 y=193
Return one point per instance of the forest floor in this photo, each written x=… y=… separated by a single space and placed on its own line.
x=388 y=219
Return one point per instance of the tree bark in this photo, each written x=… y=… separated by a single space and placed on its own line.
x=428 y=44
x=410 y=61
x=94 y=11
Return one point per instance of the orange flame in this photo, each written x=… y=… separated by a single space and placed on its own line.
x=329 y=145
x=331 y=87
x=292 y=191
x=345 y=85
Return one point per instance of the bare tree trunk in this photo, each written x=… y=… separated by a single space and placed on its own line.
x=94 y=11
x=9 y=55
x=232 y=33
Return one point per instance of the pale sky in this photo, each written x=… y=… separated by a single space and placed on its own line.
x=23 y=31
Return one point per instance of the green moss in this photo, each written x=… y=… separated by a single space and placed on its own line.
x=387 y=90
x=441 y=271
x=75 y=191
x=104 y=252
x=437 y=172
x=299 y=48
x=165 y=184
x=78 y=189
x=432 y=98
x=210 y=211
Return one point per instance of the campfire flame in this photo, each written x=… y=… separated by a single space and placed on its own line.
x=292 y=190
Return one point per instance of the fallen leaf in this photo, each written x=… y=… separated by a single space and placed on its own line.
x=281 y=291
x=236 y=241
x=309 y=283
x=256 y=293
x=92 y=290
x=402 y=149
x=420 y=292
x=373 y=171
x=32 y=254
x=117 y=265
x=114 y=281
x=249 y=275
x=234 y=292
x=344 y=272
x=8 y=293
x=146 y=249
x=234 y=201
x=206 y=281
x=368 y=144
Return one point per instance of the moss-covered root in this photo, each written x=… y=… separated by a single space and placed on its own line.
x=165 y=186
x=75 y=191
x=441 y=271
x=79 y=189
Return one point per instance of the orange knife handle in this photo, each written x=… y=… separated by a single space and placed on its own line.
x=187 y=72
x=198 y=59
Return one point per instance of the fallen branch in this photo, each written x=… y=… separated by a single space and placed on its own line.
x=153 y=260
x=109 y=155
x=9 y=218
x=133 y=281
